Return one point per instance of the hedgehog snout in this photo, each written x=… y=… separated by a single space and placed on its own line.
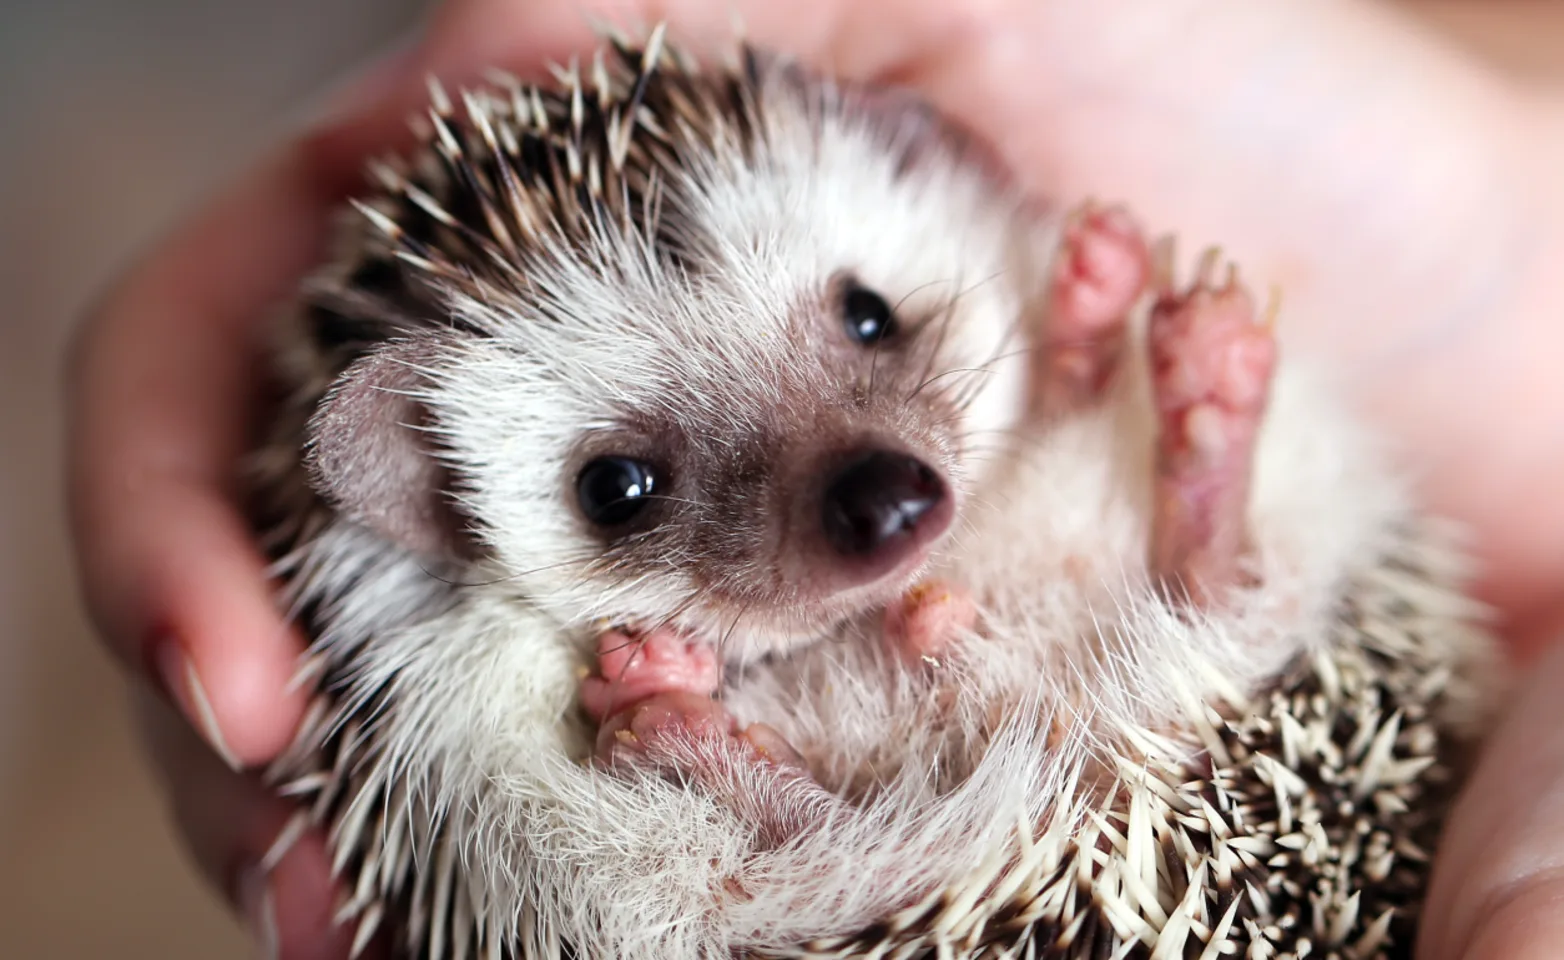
x=880 y=509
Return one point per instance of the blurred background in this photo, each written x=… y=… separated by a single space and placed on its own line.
x=114 y=116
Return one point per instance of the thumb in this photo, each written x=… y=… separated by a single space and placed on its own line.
x=1497 y=891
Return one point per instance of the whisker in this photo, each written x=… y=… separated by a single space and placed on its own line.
x=509 y=576
x=1012 y=330
x=874 y=363
x=722 y=642
x=940 y=376
x=668 y=498
x=947 y=314
x=678 y=611
x=874 y=359
x=917 y=290
x=964 y=402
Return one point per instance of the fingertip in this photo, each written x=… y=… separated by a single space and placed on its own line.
x=296 y=912
x=1498 y=878
x=242 y=701
x=258 y=850
x=220 y=644
x=1526 y=925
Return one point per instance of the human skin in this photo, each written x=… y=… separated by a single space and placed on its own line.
x=1399 y=193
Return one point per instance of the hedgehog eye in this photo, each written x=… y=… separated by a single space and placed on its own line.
x=614 y=490
x=868 y=317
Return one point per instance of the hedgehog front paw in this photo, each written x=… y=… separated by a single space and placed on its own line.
x=928 y=620
x=1099 y=277
x=1212 y=362
x=632 y=668
x=692 y=740
x=681 y=731
x=662 y=729
x=653 y=696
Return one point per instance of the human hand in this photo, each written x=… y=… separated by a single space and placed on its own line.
x=1497 y=892
x=1330 y=150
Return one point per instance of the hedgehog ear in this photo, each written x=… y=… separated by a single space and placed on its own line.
x=906 y=123
x=910 y=127
x=902 y=117
x=370 y=459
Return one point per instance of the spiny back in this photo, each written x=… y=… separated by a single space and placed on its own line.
x=523 y=175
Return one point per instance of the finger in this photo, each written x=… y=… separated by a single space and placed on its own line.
x=161 y=382
x=1497 y=890
x=232 y=826
x=161 y=391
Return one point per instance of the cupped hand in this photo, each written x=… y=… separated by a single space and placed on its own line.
x=1381 y=180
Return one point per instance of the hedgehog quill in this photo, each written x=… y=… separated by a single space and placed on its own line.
x=731 y=520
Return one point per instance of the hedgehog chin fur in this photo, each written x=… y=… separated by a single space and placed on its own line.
x=455 y=788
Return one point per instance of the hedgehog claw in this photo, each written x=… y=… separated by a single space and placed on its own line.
x=1206 y=267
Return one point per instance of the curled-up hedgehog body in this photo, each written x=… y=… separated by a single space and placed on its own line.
x=732 y=521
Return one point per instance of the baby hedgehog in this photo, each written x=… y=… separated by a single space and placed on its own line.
x=732 y=520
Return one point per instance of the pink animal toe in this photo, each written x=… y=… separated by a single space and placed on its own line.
x=659 y=720
x=1102 y=272
x=632 y=668
x=928 y=619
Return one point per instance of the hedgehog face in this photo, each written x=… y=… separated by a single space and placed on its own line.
x=769 y=433
x=765 y=414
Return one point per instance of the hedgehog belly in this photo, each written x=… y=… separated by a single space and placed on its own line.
x=1299 y=822
x=1303 y=827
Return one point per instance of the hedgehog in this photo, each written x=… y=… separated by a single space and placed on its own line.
x=732 y=519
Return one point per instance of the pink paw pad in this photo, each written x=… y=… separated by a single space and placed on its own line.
x=658 y=723
x=632 y=668
x=1208 y=349
x=1211 y=365
x=928 y=619
x=1102 y=271
x=664 y=729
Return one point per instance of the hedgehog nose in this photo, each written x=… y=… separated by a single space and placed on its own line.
x=883 y=506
